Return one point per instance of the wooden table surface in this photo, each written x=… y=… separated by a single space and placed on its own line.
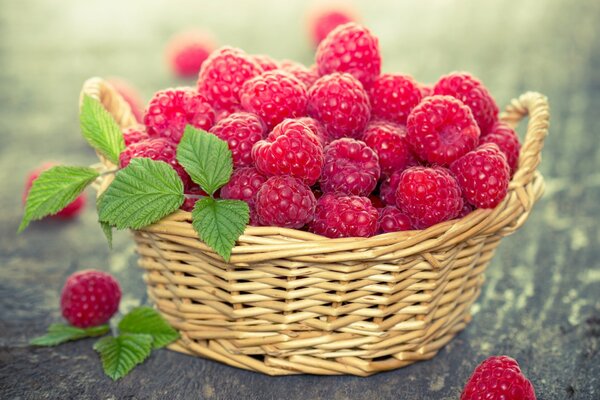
x=540 y=303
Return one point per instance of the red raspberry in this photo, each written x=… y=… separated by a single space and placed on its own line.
x=388 y=142
x=244 y=185
x=71 y=210
x=306 y=75
x=89 y=298
x=341 y=104
x=428 y=196
x=472 y=93
x=351 y=167
x=240 y=131
x=426 y=90
x=192 y=195
x=376 y=201
x=158 y=149
x=466 y=210
x=265 y=62
x=274 y=96
x=393 y=220
x=350 y=48
x=290 y=149
x=317 y=128
x=223 y=74
x=187 y=50
x=135 y=134
x=441 y=129
x=388 y=187
x=498 y=377
x=507 y=140
x=324 y=20
x=130 y=95
x=338 y=216
x=483 y=175
x=393 y=96
x=171 y=110
x=285 y=201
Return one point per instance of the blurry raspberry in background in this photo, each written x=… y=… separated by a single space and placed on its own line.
x=187 y=50
x=323 y=18
x=131 y=95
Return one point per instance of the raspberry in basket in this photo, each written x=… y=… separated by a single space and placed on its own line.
x=266 y=62
x=388 y=142
x=290 y=149
x=193 y=193
x=285 y=201
x=498 y=377
x=388 y=186
x=135 y=134
x=341 y=104
x=393 y=220
x=317 y=128
x=393 y=96
x=187 y=51
x=240 y=130
x=274 y=96
x=89 y=298
x=171 y=110
x=350 y=48
x=304 y=74
x=428 y=195
x=441 y=129
x=338 y=215
x=244 y=185
x=351 y=167
x=507 y=140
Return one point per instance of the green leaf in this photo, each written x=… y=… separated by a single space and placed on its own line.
x=148 y=321
x=141 y=194
x=206 y=158
x=108 y=233
x=53 y=190
x=120 y=354
x=220 y=223
x=100 y=129
x=61 y=333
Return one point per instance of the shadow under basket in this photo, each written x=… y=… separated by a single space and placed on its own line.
x=291 y=302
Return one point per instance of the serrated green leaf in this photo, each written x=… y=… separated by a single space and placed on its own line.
x=206 y=158
x=54 y=189
x=100 y=129
x=61 y=333
x=120 y=354
x=148 y=321
x=220 y=223
x=107 y=229
x=141 y=194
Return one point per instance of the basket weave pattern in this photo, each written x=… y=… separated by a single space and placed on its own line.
x=292 y=302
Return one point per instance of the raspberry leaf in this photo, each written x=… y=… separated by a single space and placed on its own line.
x=206 y=158
x=61 y=333
x=100 y=129
x=220 y=223
x=120 y=354
x=53 y=190
x=148 y=321
x=142 y=193
x=107 y=228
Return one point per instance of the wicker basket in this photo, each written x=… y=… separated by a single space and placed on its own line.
x=291 y=302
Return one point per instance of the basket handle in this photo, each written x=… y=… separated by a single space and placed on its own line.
x=112 y=101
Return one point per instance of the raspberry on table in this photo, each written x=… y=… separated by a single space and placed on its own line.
x=441 y=129
x=498 y=377
x=317 y=128
x=131 y=95
x=341 y=104
x=290 y=149
x=350 y=48
x=286 y=202
x=473 y=94
x=393 y=96
x=483 y=175
x=325 y=19
x=135 y=134
x=274 y=96
x=267 y=63
x=193 y=193
x=388 y=142
x=89 y=298
x=222 y=75
x=351 y=167
x=428 y=195
x=338 y=216
x=304 y=74
x=507 y=140
x=241 y=131
x=388 y=187
x=244 y=185
x=393 y=220
x=186 y=51
x=171 y=110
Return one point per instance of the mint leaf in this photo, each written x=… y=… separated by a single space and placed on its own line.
x=120 y=354
x=100 y=129
x=53 y=190
x=220 y=223
x=206 y=158
x=61 y=333
x=148 y=321
x=141 y=194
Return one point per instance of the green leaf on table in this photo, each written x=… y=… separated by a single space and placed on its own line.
x=54 y=189
x=120 y=354
x=61 y=333
x=206 y=158
x=141 y=193
x=100 y=129
x=220 y=223
x=148 y=321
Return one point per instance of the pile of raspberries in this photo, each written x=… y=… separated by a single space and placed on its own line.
x=338 y=148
